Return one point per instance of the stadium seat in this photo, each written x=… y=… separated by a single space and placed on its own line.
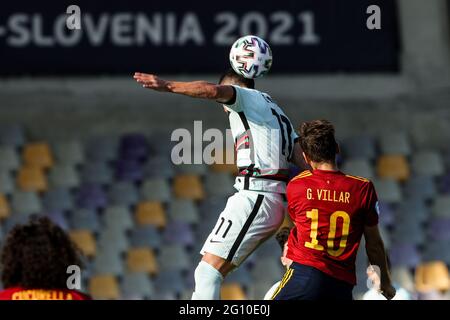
x=174 y=257
x=109 y=262
x=232 y=291
x=388 y=190
x=413 y=209
x=97 y=173
x=59 y=218
x=134 y=146
x=178 y=233
x=64 y=176
x=191 y=169
x=7 y=184
x=58 y=199
x=411 y=232
x=91 y=196
x=155 y=190
x=441 y=207
x=394 y=167
x=137 y=286
x=9 y=159
x=112 y=240
x=387 y=214
x=219 y=184
x=129 y=170
x=32 y=179
x=12 y=135
x=150 y=212
x=395 y=144
x=102 y=149
x=428 y=163
x=359 y=147
x=69 y=152
x=15 y=219
x=439 y=229
x=188 y=187
x=84 y=239
x=241 y=276
x=5 y=210
x=432 y=276
x=161 y=143
x=118 y=218
x=358 y=167
x=404 y=255
x=422 y=187
x=159 y=167
x=25 y=202
x=123 y=194
x=145 y=236
x=386 y=236
x=38 y=154
x=104 y=287
x=444 y=183
x=169 y=284
x=211 y=207
x=86 y=219
x=437 y=250
x=183 y=210
x=142 y=260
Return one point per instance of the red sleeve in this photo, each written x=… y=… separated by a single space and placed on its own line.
x=371 y=205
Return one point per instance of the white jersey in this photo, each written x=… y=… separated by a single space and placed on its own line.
x=264 y=141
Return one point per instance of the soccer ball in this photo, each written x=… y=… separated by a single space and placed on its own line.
x=251 y=57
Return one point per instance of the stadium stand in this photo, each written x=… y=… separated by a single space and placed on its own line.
x=141 y=220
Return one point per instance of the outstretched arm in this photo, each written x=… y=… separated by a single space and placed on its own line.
x=195 y=89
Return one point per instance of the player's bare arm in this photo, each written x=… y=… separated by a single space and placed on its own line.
x=297 y=157
x=377 y=256
x=194 y=89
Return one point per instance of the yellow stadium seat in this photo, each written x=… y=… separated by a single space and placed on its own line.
x=38 y=154
x=104 y=287
x=30 y=178
x=5 y=210
x=142 y=260
x=221 y=162
x=432 y=276
x=393 y=166
x=232 y=291
x=85 y=241
x=151 y=212
x=188 y=187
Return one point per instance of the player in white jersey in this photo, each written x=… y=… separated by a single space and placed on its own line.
x=265 y=142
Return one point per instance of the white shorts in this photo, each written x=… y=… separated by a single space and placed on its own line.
x=248 y=219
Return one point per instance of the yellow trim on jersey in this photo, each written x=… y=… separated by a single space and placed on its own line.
x=287 y=276
x=304 y=174
x=357 y=178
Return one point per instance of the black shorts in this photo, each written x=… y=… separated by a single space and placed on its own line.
x=301 y=282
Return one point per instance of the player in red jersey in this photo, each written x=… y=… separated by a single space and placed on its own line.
x=34 y=263
x=331 y=211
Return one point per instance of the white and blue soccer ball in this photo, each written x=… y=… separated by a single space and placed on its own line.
x=251 y=57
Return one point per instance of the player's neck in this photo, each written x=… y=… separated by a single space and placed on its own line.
x=325 y=166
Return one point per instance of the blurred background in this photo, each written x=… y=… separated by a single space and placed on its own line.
x=81 y=142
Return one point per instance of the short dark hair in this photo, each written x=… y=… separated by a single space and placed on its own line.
x=36 y=256
x=282 y=236
x=317 y=140
x=237 y=79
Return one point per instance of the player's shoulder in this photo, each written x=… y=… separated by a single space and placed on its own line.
x=302 y=175
x=357 y=179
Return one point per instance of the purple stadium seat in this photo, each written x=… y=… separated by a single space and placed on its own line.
x=178 y=232
x=129 y=170
x=444 y=183
x=58 y=217
x=439 y=229
x=404 y=255
x=91 y=196
x=134 y=146
x=387 y=215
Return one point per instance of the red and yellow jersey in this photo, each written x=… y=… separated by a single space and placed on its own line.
x=329 y=210
x=18 y=293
